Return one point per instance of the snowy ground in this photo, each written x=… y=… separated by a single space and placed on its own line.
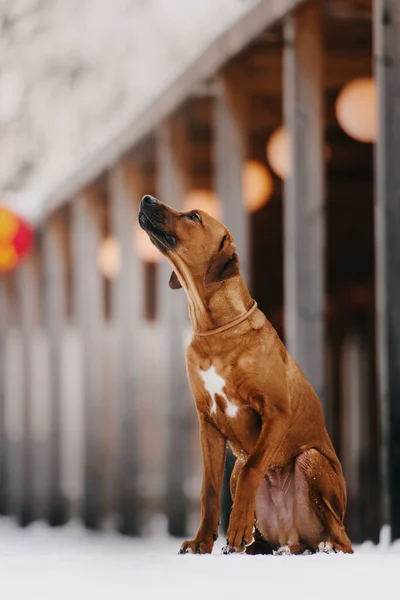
x=68 y=563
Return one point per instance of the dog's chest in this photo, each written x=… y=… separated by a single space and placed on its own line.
x=215 y=385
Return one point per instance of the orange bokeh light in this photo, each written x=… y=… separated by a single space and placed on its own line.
x=357 y=109
x=16 y=239
x=257 y=185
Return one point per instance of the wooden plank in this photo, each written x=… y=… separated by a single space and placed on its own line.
x=230 y=153
x=125 y=194
x=172 y=185
x=136 y=126
x=86 y=236
x=55 y=278
x=387 y=250
x=304 y=194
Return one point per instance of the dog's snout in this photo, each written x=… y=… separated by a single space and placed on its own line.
x=148 y=199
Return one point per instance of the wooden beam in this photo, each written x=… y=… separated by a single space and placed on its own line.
x=230 y=153
x=387 y=250
x=172 y=185
x=338 y=70
x=86 y=236
x=304 y=194
x=55 y=282
x=125 y=193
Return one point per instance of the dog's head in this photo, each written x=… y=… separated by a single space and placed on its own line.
x=200 y=249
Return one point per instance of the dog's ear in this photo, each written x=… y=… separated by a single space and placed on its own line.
x=174 y=282
x=224 y=265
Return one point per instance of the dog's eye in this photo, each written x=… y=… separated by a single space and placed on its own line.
x=194 y=217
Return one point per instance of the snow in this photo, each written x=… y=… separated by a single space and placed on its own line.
x=66 y=563
x=70 y=69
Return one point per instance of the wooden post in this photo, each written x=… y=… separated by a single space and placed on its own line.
x=54 y=254
x=230 y=152
x=127 y=309
x=3 y=439
x=28 y=301
x=12 y=458
x=304 y=196
x=172 y=184
x=86 y=236
x=354 y=427
x=387 y=250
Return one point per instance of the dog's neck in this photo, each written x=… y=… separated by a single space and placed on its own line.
x=218 y=304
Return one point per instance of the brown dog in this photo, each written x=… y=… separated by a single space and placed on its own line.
x=287 y=483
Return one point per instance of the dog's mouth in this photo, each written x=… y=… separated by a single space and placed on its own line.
x=162 y=240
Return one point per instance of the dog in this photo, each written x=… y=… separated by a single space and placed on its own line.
x=288 y=490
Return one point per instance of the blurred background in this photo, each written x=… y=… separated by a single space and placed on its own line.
x=279 y=117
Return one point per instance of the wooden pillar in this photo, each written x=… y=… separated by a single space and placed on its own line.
x=304 y=195
x=172 y=184
x=55 y=289
x=125 y=194
x=29 y=318
x=86 y=236
x=3 y=439
x=387 y=249
x=230 y=153
x=354 y=429
x=12 y=443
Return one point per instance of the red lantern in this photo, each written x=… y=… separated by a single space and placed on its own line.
x=16 y=239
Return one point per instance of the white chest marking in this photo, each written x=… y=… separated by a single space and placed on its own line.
x=215 y=384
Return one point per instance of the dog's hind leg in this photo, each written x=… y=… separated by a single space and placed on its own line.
x=321 y=489
x=234 y=476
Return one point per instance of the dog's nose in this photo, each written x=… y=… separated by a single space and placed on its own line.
x=148 y=199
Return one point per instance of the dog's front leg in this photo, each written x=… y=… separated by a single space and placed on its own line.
x=213 y=449
x=275 y=424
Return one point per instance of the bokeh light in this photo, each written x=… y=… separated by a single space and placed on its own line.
x=16 y=239
x=357 y=109
x=203 y=199
x=143 y=246
x=109 y=257
x=278 y=152
x=257 y=185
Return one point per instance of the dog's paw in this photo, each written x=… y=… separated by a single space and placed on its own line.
x=228 y=550
x=240 y=531
x=241 y=525
x=283 y=551
x=197 y=546
x=326 y=548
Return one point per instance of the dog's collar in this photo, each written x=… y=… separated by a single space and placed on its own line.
x=228 y=325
